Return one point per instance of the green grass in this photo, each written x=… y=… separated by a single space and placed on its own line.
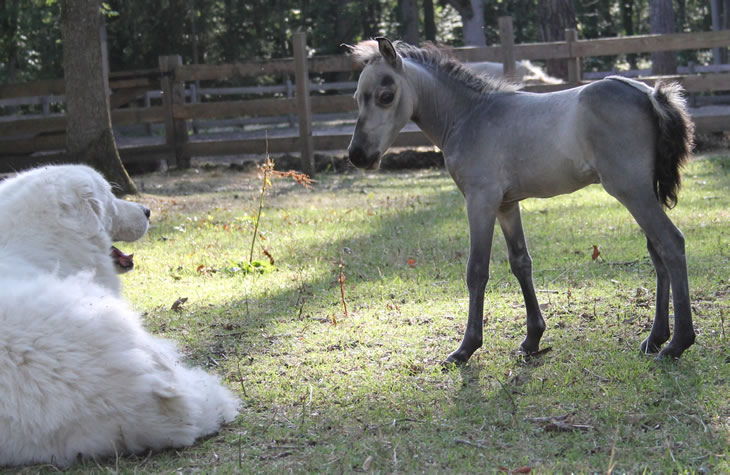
x=325 y=392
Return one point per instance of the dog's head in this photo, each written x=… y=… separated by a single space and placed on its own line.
x=87 y=206
x=63 y=219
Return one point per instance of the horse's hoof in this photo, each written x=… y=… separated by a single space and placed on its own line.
x=454 y=359
x=649 y=348
x=528 y=350
x=671 y=351
x=527 y=356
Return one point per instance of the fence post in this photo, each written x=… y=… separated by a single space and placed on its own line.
x=304 y=111
x=574 y=68
x=507 y=41
x=173 y=93
x=289 y=95
x=692 y=99
x=194 y=89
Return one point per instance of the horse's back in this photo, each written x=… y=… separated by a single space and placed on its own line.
x=616 y=99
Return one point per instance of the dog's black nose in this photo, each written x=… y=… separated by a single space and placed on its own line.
x=146 y=211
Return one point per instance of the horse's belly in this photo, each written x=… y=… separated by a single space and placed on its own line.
x=544 y=182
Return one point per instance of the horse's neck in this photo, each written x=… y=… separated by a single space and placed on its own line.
x=436 y=106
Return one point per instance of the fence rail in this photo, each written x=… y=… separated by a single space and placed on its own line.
x=22 y=136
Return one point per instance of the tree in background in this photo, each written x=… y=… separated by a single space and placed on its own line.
x=661 y=15
x=408 y=19
x=555 y=16
x=472 y=18
x=9 y=16
x=429 y=21
x=627 y=19
x=370 y=14
x=720 y=21
x=89 y=136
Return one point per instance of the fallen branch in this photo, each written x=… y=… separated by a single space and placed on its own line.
x=597 y=376
x=548 y=418
x=559 y=423
x=624 y=263
x=560 y=426
x=470 y=443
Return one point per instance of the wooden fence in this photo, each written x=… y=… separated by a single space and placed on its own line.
x=21 y=139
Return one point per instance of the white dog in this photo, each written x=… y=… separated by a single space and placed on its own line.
x=79 y=376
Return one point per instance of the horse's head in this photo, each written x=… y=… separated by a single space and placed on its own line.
x=385 y=101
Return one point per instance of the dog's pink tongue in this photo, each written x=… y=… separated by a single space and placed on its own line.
x=121 y=260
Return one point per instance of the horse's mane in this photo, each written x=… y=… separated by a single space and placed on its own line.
x=436 y=59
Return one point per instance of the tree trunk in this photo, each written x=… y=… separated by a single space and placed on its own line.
x=429 y=21
x=627 y=19
x=661 y=19
x=370 y=18
x=343 y=24
x=194 y=34
x=555 y=16
x=408 y=15
x=472 y=20
x=12 y=33
x=725 y=25
x=474 y=26
x=719 y=10
x=89 y=136
x=681 y=15
x=11 y=15
x=194 y=45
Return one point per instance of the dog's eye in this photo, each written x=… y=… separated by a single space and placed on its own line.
x=386 y=98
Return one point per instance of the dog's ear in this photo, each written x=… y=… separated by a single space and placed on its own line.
x=81 y=210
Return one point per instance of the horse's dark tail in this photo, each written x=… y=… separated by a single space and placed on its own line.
x=674 y=140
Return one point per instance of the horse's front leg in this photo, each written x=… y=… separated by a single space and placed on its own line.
x=481 y=213
x=521 y=265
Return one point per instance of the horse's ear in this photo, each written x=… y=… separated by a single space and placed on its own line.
x=387 y=50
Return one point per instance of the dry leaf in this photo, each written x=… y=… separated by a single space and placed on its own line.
x=596 y=253
x=268 y=254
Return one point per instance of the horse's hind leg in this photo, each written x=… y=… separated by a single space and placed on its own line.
x=667 y=243
x=521 y=265
x=660 y=330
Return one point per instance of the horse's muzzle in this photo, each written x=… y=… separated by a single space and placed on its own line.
x=360 y=159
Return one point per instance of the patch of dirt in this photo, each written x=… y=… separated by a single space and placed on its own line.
x=401 y=159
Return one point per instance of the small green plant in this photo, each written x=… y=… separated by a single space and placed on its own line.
x=260 y=267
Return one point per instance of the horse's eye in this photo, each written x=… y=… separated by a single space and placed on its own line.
x=386 y=98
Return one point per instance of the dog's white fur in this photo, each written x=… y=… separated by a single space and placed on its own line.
x=78 y=373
